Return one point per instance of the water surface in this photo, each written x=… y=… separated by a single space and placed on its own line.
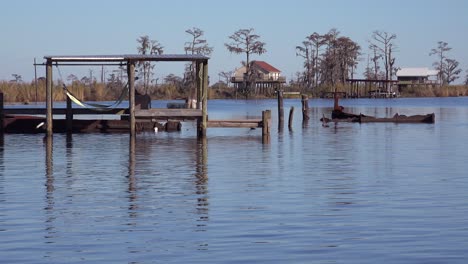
x=348 y=193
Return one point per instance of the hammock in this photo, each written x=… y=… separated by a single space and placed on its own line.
x=93 y=106
x=96 y=106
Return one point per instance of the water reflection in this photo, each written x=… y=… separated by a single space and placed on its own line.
x=132 y=186
x=201 y=183
x=49 y=197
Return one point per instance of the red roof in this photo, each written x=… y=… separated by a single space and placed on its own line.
x=265 y=66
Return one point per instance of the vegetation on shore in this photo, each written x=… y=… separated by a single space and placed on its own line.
x=26 y=92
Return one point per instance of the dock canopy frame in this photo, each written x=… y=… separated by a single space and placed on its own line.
x=130 y=61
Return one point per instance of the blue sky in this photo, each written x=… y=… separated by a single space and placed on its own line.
x=32 y=29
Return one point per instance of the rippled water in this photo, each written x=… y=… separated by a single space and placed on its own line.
x=348 y=193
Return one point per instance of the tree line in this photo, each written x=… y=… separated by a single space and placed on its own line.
x=329 y=59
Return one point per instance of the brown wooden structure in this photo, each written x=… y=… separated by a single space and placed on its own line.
x=200 y=113
x=133 y=118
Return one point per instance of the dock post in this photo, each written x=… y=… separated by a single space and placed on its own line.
x=199 y=77
x=49 y=118
x=131 y=94
x=279 y=93
x=291 y=116
x=69 y=116
x=1 y=114
x=266 y=125
x=204 y=100
x=305 y=107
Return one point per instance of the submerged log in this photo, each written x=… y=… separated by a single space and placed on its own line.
x=397 y=118
x=429 y=118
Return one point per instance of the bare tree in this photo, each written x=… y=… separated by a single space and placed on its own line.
x=383 y=42
x=147 y=47
x=18 y=78
x=441 y=50
x=197 y=45
x=305 y=51
x=317 y=41
x=451 y=70
x=246 y=42
x=226 y=75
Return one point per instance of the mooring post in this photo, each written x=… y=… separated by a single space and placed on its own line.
x=131 y=94
x=69 y=116
x=305 y=107
x=266 y=124
x=204 y=99
x=1 y=113
x=279 y=93
x=291 y=116
x=49 y=118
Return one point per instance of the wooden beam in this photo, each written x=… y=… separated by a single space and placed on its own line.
x=1 y=113
x=266 y=124
x=69 y=115
x=63 y=111
x=131 y=95
x=279 y=93
x=162 y=112
x=204 y=100
x=49 y=106
x=235 y=123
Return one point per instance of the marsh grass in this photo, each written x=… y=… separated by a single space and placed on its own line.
x=27 y=92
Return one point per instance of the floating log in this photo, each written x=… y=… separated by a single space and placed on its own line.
x=397 y=118
x=428 y=118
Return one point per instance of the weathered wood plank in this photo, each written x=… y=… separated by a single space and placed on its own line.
x=229 y=124
x=161 y=112
x=62 y=111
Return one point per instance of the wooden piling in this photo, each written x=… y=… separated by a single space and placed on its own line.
x=291 y=116
x=279 y=93
x=131 y=95
x=305 y=107
x=204 y=124
x=69 y=115
x=49 y=106
x=266 y=125
x=1 y=114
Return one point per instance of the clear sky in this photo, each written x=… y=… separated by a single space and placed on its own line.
x=31 y=29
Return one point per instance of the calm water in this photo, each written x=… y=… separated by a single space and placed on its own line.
x=348 y=193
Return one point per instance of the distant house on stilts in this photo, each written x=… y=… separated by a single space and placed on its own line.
x=266 y=77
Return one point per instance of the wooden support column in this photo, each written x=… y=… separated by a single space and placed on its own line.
x=131 y=95
x=266 y=125
x=204 y=99
x=199 y=77
x=279 y=93
x=291 y=117
x=49 y=106
x=1 y=113
x=69 y=116
x=305 y=107
x=199 y=80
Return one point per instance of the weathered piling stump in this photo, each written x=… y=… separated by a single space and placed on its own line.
x=279 y=93
x=1 y=113
x=305 y=107
x=266 y=125
x=291 y=117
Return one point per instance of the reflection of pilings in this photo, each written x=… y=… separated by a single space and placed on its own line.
x=49 y=163
x=201 y=183
x=49 y=208
x=131 y=177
